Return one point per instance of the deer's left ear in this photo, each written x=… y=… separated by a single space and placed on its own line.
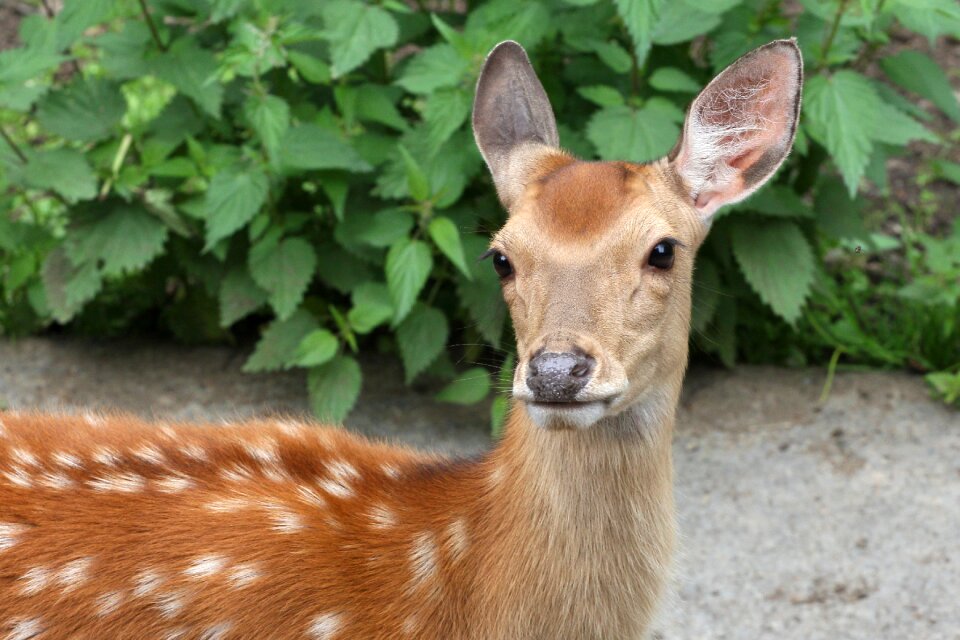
x=741 y=127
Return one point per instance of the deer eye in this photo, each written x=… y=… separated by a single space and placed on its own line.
x=661 y=256
x=501 y=265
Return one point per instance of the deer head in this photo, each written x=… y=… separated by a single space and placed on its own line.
x=596 y=258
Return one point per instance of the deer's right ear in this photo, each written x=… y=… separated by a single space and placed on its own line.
x=513 y=123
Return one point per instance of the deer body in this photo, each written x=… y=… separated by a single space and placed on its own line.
x=113 y=528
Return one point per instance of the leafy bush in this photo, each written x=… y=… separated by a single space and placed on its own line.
x=212 y=168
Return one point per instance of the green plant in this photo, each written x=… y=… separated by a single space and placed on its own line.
x=304 y=170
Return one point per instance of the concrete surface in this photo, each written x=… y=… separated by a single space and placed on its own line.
x=797 y=523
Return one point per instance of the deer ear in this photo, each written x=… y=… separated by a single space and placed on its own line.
x=740 y=128
x=512 y=120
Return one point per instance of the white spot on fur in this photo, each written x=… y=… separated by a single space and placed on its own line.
x=170 y=604
x=74 y=573
x=35 y=580
x=25 y=629
x=390 y=471
x=382 y=516
x=56 y=480
x=284 y=520
x=496 y=476
x=411 y=625
x=174 y=483
x=168 y=432
x=457 y=538
x=93 y=419
x=19 y=477
x=423 y=558
x=338 y=484
x=124 y=482
x=216 y=632
x=150 y=454
x=236 y=473
x=309 y=495
x=108 y=603
x=274 y=473
x=9 y=533
x=107 y=457
x=194 y=452
x=205 y=566
x=67 y=460
x=146 y=583
x=24 y=457
x=176 y=634
x=325 y=626
x=3 y=429
x=293 y=429
x=229 y=505
x=243 y=575
x=264 y=451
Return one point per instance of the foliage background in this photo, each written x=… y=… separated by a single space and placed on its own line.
x=302 y=174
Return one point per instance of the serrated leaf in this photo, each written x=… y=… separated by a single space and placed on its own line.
x=434 y=68
x=334 y=388
x=270 y=118
x=278 y=345
x=774 y=200
x=372 y=307
x=121 y=240
x=445 y=112
x=312 y=69
x=408 y=265
x=239 y=296
x=672 y=79
x=918 y=73
x=470 y=387
x=640 y=18
x=309 y=146
x=417 y=183
x=79 y=15
x=355 y=30
x=193 y=71
x=447 y=238
x=680 y=21
x=63 y=170
x=932 y=18
x=87 y=110
x=231 y=201
x=317 y=347
x=622 y=133
x=284 y=270
x=602 y=95
x=421 y=337
x=777 y=261
x=67 y=287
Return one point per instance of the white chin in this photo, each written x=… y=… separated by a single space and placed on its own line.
x=572 y=416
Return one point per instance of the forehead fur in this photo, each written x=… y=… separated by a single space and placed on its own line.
x=582 y=200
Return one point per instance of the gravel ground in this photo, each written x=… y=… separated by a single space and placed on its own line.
x=797 y=523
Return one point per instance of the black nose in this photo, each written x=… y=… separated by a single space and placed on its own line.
x=559 y=377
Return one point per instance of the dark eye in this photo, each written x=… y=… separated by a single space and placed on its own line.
x=661 y=256
x=501 y=265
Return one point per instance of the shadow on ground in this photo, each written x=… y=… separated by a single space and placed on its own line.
x=797 y=523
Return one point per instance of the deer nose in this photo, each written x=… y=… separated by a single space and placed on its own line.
x=559 y=377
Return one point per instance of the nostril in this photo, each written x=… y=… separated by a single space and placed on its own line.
x=583 y=366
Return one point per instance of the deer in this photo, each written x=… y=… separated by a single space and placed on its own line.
x=115 y=527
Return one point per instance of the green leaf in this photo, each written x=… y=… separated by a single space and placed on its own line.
x=67 y=287
x=918 y=73
x=193 y=71
x=421 y=337
x=239 y=296
x=932 y=18
x=284 y=270
x=602 y=95
x=838 y=214
x=65 y=171
x=622 y=133
x=445 y=111
x=672 y=79
x=706 y=293
x=122 y=239
x=472 y=386
x=775 y=200
x=220 y=10
x=777 y=261
x=408 y=265
x=640 y=17
x=355 y=30
x=334 y=388
x=79 y=15
x=447 y=238
x=231 y=201
x=270 y=118
x=316 y=348
x=86 y=110
x=681 y=21
x=613 y=55
x=434 y=68
x=309 y=146
x=417 y=182
x=312 y=69
x=372 y=307
x=278 y=345
x=482 y=296
x=376 y=103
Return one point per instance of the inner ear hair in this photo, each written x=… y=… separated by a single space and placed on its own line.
x=513 y=122
x=741 y=127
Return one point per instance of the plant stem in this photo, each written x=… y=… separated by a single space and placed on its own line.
x=832 y=34
x=831 y=370
x=13 y=145
x=153 y=27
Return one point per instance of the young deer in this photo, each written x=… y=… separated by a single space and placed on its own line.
x=112 y=528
